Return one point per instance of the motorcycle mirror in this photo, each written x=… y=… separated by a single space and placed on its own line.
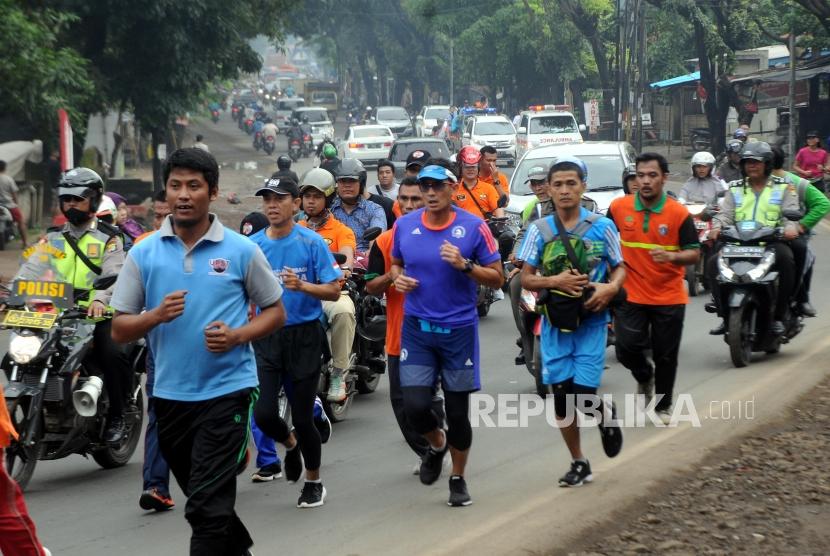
x=793 y=215
x=104 y=282
x=372 y=233
x=340 y=258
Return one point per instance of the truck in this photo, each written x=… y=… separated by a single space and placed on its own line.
x=323 y=94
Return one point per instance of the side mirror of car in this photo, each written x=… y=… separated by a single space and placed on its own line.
x=522 y=129
x=104 y=282
x=372 y=233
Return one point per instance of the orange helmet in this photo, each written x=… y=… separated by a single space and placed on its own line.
x=469 y=155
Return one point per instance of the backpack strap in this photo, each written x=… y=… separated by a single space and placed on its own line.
x=580 y=230
x=545 y=230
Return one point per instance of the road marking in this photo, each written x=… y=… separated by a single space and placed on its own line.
x=549 y=499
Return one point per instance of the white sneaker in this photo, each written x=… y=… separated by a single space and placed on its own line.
x=337 y=387
x=665 y=415
x=498 y=295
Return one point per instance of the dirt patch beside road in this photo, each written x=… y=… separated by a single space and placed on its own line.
x=768 y=493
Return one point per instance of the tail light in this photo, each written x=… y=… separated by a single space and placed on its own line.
x=387 y=144
x=357 y=146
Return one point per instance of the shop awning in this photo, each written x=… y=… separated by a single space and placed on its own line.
x=674 y=81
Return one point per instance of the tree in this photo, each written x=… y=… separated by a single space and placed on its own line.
x=39 y=75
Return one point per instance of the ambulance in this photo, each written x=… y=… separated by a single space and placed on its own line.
x=547 y=124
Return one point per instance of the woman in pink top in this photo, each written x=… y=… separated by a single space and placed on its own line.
x=811 y=161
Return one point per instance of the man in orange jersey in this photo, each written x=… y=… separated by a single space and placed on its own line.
x=409 y=199
x=488 y=171
x=473 y=194
x=658 y=239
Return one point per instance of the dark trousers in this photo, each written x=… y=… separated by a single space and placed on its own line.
x=658 y=328
x=799 y=248
x=204 y=443
x=156 y=471
x=415 y=441
x=787 y=277
x=112 y=359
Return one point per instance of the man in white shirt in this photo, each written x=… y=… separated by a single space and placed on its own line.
x=386 y=186
x=200 y=144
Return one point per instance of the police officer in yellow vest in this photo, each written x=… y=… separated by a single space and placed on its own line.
x=98 y=250
x=763 y=198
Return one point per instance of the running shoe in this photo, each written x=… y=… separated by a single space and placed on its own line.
x=458 y=492
x=579 y=474
x=152 y=499
x=312 y=495
x=321 y=421
x=267 y=473
x=646 y=389
x=432 y=464
x=664 y=415
x=611 y=433
x=337 y=387
x=293 y=464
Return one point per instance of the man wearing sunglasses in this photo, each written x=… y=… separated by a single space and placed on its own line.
x=440 y=256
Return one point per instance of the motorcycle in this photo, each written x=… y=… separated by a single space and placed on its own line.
x=7 y=228
x=695 y=272
x=532 y=343
x=700 y=139
x=295 y=148
x=486 y=295
x=214 y=115
x=234 y=112
x=308 y=145
x=55 y=398
x=749 y=290
x=249 y=126
x=269 y=145
x=368 y=359
x=257 y=140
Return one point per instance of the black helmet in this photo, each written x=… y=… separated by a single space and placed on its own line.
x=283 y=162
x=351 y=168
x=82 y=182
x=305 y=119
x=371 y=319
x=628 y=172
x=294 y=121
x=760 y=151
x=734 y=146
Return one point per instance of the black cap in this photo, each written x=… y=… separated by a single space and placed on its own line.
x=418 y=158
x=280 y=186
x=813 y=133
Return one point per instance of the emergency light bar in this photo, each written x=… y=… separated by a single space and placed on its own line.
x=479 y=110
x=542 y=107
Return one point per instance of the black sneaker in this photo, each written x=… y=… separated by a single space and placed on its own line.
x=431 y=464
x=293 y=464
x=611 y=434
x=579 y=474
x=458 y=492
x=267 y=473
x=312 y=496
x=719 y=330
x=116 y=430
x=153 y=499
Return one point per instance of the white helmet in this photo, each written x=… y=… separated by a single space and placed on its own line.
x=107 y=208
x=703 y=158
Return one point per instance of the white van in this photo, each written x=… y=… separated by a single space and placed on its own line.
x=495 y=131
x=546 y=124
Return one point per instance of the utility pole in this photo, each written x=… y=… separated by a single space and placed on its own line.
x=791 y=97
x=452 y=73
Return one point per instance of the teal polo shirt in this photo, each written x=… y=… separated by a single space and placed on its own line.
x=222 y=273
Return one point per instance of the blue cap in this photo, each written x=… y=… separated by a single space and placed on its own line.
x=572 y=160
x=739 y=133
x=435 y=172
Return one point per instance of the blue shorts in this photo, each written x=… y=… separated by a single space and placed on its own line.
x=430 y=352
x=577 y=355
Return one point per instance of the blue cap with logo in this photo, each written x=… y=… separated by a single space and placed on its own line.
x=435 y=172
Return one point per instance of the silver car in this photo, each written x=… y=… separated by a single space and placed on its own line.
x=395 y=118
x=367 y=143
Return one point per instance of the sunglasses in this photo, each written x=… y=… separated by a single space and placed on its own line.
x=435 y=185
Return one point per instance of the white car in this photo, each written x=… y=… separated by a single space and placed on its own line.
x=495 y=131
x=428 y=119
x=318 y=119
x=605 y=160
x=367 y=143
x=546 y=125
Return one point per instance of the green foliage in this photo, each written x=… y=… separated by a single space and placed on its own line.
x=38 y=74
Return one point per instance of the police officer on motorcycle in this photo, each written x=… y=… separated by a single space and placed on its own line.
x=92 y=248
x=764 y=198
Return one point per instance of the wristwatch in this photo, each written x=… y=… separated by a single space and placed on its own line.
x=468 y=266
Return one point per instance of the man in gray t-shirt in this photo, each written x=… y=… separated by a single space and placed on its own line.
x=8 y=199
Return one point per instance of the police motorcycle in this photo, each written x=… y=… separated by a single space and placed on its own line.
x=55 y=395
x=7 y=227
x=368 y=359
x=749 y=289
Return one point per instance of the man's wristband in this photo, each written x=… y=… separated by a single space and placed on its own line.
x=468 y=266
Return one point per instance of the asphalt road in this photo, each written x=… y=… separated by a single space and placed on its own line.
x=376 y=506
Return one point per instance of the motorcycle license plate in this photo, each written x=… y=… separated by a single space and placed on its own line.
x=28 y=319
x=744 y=251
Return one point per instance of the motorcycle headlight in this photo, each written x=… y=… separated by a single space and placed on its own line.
x=763 y=267
x=24 y=348
x=724 y=269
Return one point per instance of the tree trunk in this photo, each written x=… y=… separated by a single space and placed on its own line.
x=157 y=138
x=716 y=106
x=368 y=82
